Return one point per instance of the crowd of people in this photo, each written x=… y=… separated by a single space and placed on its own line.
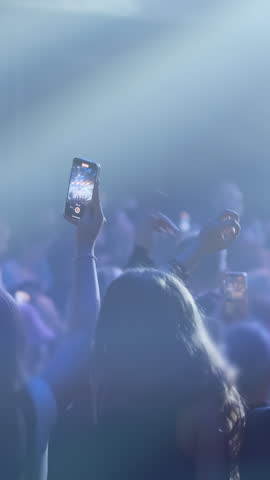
x=123 y=357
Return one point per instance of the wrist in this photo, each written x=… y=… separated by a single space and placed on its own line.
x=190 y=257
x=198 y=249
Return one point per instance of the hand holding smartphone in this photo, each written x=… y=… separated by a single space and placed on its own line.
x=234 y=288
x=83 y=177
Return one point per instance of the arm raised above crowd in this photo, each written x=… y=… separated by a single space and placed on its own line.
x=217 y=235
x=73 y=356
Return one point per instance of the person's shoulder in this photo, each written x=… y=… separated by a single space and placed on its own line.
x=258 y=421
x=259 y=415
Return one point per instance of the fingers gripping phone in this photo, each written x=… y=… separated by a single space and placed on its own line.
x=81 y=186
x=235 y=292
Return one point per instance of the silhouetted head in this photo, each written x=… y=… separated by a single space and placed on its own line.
x=150 y=329
x=105 y=277
x=152 y=346
x=248 y=349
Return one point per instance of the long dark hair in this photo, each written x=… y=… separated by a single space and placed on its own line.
x=151 y=339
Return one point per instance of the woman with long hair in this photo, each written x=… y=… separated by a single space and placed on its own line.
x=165 y=404
x=150 y=413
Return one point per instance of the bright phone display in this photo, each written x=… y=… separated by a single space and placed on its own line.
x=81 y=186
x=234 y=285
x=235 y=293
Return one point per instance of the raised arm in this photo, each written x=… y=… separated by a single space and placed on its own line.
x=72 y=359
x=157 y=223
x=85 y=302
x=215 y=236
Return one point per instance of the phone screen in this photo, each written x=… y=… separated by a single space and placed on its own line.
x=235 y=293
x=81 y=186
x=234 y=285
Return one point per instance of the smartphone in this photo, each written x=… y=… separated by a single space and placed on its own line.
x=81 y=186
x=235 y=292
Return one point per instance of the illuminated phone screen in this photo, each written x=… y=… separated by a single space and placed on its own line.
x=235 y=285
x=82 y=181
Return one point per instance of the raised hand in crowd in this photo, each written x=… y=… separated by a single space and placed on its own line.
x=64 y=371
x=219 y=234
x=154 y=223
x=215 y=236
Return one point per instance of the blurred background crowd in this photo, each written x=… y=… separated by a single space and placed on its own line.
x=172 y=99
x=37 y=266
